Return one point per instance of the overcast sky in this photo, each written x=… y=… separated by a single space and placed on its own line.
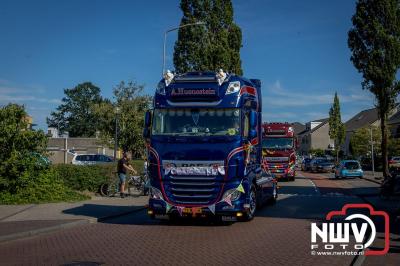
x=297 y=48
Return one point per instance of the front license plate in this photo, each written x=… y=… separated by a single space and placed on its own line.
x=162 y=216
x=192 y=210
x=228 y=219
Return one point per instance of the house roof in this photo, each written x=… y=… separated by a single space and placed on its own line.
x=362 y=119
x=322 y=121
x=395 y=119
x=298 y=128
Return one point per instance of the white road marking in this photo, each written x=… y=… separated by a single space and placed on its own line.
x=315 y=187
x=312 y=183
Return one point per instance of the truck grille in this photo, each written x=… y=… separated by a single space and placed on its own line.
x=277 y=168
x=197 y=190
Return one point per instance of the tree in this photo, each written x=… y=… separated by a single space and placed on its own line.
x=336 y=127
x=393 y=147
x=317 y=152
x=374 y=41
x=132 y=105
x=19 y=147
x=212 y=46
x=75 y=115
x=360 y=141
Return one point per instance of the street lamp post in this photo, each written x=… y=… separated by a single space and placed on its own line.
x=173 y=29
x=116 y=133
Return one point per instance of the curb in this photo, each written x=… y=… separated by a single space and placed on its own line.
x=18 y=212
x=35 y=232
x=372 y=180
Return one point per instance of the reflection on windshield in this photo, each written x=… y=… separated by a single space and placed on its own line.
x=196 y=122
x=277 y=143
x=352 y=165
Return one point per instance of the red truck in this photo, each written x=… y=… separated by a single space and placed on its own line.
x=279 y=150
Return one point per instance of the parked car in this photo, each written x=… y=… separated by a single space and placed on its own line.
x=91 y=159
x=299 y=160
x=321 y=164
x=394 y=162
x=305 y=164
x=349 y=168
x=41 y=161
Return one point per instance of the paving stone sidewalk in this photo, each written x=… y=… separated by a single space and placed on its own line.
x=18 y=221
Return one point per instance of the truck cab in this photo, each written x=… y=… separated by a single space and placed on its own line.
x=203 y=138
x=279 y=150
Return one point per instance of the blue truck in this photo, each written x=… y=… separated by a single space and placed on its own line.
x=203 y=138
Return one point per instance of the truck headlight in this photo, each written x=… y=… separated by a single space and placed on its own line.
x=235 y=195
x=161 y=88
x=233 y=87
x=155 y=193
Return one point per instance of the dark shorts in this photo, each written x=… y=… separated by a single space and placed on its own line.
x=122 y=177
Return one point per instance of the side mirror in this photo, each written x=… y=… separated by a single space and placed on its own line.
x=252 y=133
x=253 y=120
x=146 y=133
x=147 y=119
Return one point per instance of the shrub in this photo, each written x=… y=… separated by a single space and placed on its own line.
x=43 y=187
x=90 y=177
x=23 y=176
x=84 y=177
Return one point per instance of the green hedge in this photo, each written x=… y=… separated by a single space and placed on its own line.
x=42 y=187
x=90 y=177
x=61 y=183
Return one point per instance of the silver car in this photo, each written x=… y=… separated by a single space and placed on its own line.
x=91 y=159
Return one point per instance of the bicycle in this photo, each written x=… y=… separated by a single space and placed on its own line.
x=138 y=183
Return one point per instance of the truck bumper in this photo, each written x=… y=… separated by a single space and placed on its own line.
x=282 y=175
x=158 y=209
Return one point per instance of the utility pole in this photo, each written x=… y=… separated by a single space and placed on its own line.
x=372 y=154
x=116 y=134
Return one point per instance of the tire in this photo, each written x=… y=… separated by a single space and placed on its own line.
x=104 y=189
x=108 y=190
x=253 y=204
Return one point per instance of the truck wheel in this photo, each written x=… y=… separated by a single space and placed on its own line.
x=253 y=204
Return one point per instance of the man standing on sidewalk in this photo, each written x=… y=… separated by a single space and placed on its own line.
x=123 y=168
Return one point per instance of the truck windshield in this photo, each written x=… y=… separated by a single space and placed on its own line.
x=277 y=143
x=196 y=122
